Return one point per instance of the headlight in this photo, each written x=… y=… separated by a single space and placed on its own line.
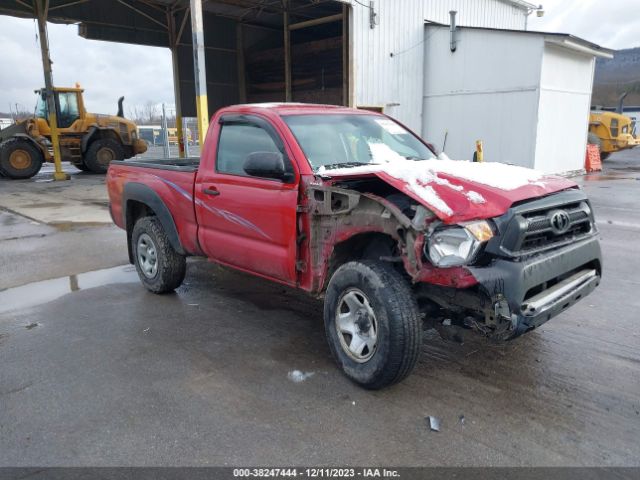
x=456 y=246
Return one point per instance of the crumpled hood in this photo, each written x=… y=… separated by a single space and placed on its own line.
x=459 y=191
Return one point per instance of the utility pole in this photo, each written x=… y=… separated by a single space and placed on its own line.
x=185 y=130
x=41 y=11
x=165 y=133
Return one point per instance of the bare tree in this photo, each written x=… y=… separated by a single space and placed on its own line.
x=150 y=112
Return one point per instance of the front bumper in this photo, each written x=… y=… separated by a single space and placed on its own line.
x=529 y=293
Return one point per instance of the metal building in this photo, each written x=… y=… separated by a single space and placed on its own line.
x=362 y=53
x=527 y=95
x=388 y=42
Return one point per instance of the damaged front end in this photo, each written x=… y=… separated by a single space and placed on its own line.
x=544 y=257
x=505 y=276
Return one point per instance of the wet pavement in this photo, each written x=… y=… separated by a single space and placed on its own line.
x=234 y=370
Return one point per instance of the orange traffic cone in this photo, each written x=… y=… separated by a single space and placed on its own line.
x=593 y=162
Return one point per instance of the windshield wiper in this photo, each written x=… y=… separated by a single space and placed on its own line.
x=335 y=166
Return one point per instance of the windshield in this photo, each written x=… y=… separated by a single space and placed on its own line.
x=343 y=141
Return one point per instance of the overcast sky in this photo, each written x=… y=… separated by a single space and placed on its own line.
x=108 y=70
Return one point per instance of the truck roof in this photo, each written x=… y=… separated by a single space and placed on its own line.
x=294 y=108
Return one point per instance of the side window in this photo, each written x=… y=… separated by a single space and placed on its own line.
x=41 y=109
x=69 y=112
x=236 y=142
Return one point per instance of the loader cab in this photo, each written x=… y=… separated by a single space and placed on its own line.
x=69 y=107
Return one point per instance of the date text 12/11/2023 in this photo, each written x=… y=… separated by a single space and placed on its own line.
x=315 y=473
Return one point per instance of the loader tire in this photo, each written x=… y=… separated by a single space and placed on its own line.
x=593 y=139
x=161 y=269
x=19 y=159
x=81 y=166
x=372 y=323
x=101 y=153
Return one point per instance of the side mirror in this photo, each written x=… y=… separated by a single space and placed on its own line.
x=266 y=165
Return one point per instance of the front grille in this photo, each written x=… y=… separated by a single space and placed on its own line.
x=539 y=232
x=532 y=226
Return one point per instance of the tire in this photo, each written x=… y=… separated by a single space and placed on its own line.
x=161 y=269
x=101 y=152
x=381 y=305
x=593 y=139
x=20 y=159
x=81 y=166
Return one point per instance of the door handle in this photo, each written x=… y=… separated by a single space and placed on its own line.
x=211 y=191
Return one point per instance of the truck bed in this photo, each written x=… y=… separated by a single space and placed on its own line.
x=157 y=181
x=175 y=164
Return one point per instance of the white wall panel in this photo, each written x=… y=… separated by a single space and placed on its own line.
x=565 y=103
x=389 y=59
x=487 y=90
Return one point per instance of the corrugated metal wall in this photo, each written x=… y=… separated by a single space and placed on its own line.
x=389 y=59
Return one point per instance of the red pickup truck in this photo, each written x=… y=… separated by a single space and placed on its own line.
x=352 y=206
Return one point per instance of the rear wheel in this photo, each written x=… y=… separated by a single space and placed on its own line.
x=161 y=269
x=81 y=166
x=20 y=159
x=372 y=323
x=101 y=153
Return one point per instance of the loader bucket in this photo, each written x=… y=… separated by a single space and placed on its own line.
x=12 y=131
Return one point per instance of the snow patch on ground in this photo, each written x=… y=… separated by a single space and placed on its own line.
x=296 y=376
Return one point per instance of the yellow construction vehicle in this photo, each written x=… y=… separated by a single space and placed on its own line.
x=89 y=141
x=612 y=131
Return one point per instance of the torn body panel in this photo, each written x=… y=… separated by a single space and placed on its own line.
x=336 y=218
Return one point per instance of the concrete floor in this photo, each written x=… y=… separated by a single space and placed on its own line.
x=96 y=371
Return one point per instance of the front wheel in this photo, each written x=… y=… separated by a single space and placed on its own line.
x=161 y=269
x=372 y=323
x=20 y=159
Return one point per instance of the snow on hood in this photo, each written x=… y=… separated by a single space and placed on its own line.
x=458 y=190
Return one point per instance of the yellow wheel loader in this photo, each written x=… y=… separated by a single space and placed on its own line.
x=89 y=141
x=612 y=131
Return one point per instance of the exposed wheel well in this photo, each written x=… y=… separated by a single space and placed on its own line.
x=135 y=211
x=363 y=246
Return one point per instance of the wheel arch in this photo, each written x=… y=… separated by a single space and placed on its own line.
x=139 y=200
x=372 y=245
x=95 y=133
x=24 y=137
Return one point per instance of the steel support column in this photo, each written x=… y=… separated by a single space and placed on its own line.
x=287 y=53
x=41 y=11
x=173 y=45
x=200 y=73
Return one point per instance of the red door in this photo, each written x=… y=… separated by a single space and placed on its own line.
x=247 y=221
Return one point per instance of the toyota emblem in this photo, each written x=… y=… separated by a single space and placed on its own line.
x=560 y=222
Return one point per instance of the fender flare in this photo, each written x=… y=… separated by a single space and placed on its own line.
x=87 y=138
x=144 y=194
x=33 y=141
x=91 y=133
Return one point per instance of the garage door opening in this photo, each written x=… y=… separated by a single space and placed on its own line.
x=318 y=55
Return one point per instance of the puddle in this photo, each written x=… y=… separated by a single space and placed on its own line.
x=605 y=177
x=38 y=293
